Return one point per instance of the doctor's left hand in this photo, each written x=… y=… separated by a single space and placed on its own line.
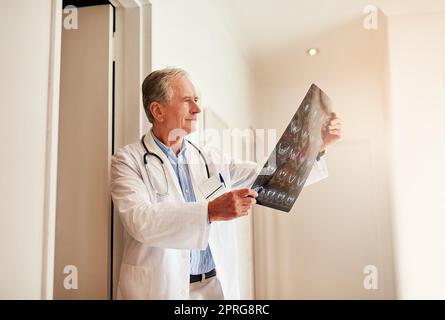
x=331 y=132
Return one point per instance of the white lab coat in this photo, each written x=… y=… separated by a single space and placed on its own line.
x=159 y=231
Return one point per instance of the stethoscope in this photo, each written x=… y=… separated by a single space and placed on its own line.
x=148 y=153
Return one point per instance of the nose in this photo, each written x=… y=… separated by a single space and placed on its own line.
x=195 y=108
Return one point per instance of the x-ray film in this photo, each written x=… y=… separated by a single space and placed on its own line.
x=288 y=166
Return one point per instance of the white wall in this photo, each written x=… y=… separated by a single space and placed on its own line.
x=417 y=82
x=342 y=224
x=24 y=59
x=192 y=35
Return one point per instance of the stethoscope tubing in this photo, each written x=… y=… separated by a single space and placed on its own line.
x=147 y=153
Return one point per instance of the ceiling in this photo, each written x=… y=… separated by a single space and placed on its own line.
x=261 y=27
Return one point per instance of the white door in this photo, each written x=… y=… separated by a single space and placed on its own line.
x=83 y=219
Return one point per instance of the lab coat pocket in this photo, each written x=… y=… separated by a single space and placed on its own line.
x=134 y=282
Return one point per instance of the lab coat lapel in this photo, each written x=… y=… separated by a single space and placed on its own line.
x=197 y=170
x=172 y=179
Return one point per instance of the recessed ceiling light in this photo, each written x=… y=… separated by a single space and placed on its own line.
x=312 y=52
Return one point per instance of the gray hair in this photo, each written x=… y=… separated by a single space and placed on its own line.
x=156 y=87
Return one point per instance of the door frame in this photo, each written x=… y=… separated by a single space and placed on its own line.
x=132 y=53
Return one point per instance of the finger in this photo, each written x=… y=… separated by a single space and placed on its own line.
x=247 y=202
x=244 y=212
x=241 y=211
x=246 y=193
x=335 y=132
x=335 y=121
x=241 y=192
x=242 y=208
x=333 y=115
x=331 y=125
x=335 y=126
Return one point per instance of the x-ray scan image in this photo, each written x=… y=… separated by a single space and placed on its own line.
x=288 y=166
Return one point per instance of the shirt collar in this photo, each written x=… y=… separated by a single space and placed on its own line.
x=168 y=151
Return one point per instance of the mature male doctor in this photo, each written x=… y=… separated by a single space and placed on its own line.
x=179 y=244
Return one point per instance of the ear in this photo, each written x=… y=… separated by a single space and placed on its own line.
x=157 y=112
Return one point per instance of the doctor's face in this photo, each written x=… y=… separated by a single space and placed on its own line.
x=182 y=110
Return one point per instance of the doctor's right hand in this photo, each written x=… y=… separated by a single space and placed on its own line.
x=232 y=205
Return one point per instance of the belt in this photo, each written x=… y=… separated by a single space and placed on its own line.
x=200 y=277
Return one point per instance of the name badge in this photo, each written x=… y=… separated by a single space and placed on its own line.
x=213 y=187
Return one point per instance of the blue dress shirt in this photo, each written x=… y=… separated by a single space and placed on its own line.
x=201 y=261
